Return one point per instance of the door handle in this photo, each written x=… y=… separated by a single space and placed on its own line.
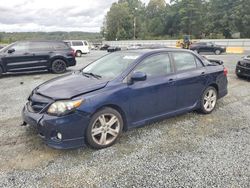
x=27 y=53
x=171 y=80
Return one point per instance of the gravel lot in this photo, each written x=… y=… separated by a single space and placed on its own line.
x=190 y=150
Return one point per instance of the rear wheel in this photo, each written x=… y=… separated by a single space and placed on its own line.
x=78 y=53
x=217 y=52
x=105 y=127
x=58 y=66
x=208 y=100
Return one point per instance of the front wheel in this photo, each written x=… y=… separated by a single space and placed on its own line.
x=208 y=100
x=58 y=66
x=105 y=127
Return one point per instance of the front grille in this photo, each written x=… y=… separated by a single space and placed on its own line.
x=247 y=65
x=37 y=102
x=36 y=107
x=244 y=63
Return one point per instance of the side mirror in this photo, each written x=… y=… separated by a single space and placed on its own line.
x=137 y=76
x=11 y=50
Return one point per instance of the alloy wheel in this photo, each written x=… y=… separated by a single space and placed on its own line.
x=59 y=66
x=210 y=100
x=105 y=129
x=217 y=52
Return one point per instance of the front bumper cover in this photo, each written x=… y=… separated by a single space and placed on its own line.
x=72 y=127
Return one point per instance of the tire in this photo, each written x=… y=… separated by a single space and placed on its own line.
x=240 y=76
x=104 y=128
x=208 y=100
x=78 y=53
x=217 y=52
x=58 y=66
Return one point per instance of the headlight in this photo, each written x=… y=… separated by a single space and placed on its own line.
x=241 y=63
x=59 y=108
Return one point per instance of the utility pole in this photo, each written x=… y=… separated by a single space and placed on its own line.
x=134 y=26
x=135 y=22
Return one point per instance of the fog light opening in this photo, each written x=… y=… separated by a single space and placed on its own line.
x=59 y=136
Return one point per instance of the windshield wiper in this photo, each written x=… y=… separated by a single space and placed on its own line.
x=91 y=74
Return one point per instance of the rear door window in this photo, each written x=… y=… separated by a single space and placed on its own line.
x=60 y=46
x=184 y=61
x=40 y=46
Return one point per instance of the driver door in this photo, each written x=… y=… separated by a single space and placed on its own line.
x=156 y=95
x=19 y=58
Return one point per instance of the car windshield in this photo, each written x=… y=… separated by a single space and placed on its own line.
x=5 y=48
x=112 y=65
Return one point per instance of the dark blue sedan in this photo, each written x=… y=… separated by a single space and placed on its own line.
x=120 y=91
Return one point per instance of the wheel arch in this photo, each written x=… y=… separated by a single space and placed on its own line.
x=214 y=85
x=78 y=50
x=118 y=109
x=55 y=58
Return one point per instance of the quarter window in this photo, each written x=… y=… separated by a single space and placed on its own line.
x=156 y=65
x=184 y=61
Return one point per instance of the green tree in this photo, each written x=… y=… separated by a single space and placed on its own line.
x=119 y=22
x=155 y=14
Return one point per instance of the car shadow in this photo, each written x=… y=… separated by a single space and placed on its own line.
x=243 y=78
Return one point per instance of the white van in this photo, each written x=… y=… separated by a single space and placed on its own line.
x=79 y=46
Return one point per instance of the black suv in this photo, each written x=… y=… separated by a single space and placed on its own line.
x=207 y=47
x=22 y=56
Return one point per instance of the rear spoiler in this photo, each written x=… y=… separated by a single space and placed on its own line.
x=219 y=62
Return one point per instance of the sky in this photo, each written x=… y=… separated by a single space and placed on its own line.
x=53 y=15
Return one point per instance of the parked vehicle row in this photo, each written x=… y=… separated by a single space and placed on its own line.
x=25 y=56
x=120 y=91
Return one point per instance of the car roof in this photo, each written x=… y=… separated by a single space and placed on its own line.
x=146 y=51
x=75 y=40
x=40 y=41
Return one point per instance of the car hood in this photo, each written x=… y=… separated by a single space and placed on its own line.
x=69 y=86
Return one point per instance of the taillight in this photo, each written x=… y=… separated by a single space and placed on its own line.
x=225 y=71
x=73 y=53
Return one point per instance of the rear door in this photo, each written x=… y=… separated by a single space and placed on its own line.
x=191 y=79
x=157 y=94
x=41 y=52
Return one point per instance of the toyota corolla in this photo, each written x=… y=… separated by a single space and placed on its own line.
x=120 y=91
